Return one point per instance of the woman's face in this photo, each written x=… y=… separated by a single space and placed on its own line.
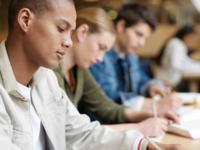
x=189 y=40
x=92 y=49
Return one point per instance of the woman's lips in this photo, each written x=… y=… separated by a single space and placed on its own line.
x=135 y=49
x=92 y=64
x=60 y=55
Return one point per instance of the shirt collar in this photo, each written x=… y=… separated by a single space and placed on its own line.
x=114 y=55
x=7 y=76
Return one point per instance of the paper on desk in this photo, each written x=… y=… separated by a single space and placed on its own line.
x=189 y=98
x=158 y=139
x=184 y=109
x=189 y=124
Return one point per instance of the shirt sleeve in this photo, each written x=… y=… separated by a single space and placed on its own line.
x=135 y=103
x=144 y=89
x=98 y=103
x=146 y=82
x=180 y=60
x=80 y=133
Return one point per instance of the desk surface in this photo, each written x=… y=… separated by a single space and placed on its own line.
x=185 y=142
x=190 y=76
x=195 y=56
x=189 y=144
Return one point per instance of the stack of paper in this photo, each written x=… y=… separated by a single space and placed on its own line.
x=189 y=125
x=189 y=98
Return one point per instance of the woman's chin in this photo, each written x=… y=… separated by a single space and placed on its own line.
x=84 y=66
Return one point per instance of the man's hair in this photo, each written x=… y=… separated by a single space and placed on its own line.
x=134 y=13
x=38 y=7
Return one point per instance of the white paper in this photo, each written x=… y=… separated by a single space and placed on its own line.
x=189 y=98
x=158 y=139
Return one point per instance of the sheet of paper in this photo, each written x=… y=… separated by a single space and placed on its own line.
x=158 y=139
x=189 y=124
x=184 y=109
x=189 y=98
x=191 y=115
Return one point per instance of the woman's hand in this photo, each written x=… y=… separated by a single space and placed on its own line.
x=153 y=127
x=165 y=146
x=170 y=115
x=156 y=89
x=172 y=102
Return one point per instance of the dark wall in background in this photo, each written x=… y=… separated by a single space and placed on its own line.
x=3 y=14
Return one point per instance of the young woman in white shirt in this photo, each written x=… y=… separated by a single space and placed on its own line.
x=174 y=60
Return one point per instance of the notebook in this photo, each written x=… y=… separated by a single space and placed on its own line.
x=157 y=139
x=189 y=125
x=189 y=98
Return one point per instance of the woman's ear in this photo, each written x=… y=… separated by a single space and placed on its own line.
x=82 y=32
x=120 y=26
x=24 y=19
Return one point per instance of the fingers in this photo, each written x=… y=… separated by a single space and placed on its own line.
x=164 y=127
x=177 y=101
x=163 y=121
x=175 y=147
x=163 y=91
x=172 y=115
x=166 y=146
x=172 y=102
x=166 y=92
x=153 y=127
x=152 y=93
x=161 y=126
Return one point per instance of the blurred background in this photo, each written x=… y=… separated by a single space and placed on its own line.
x=171 y=15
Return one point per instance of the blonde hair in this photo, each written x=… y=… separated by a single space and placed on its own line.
x=96 y=18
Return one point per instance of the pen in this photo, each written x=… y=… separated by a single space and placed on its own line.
x=154 y=105
x=154 y=144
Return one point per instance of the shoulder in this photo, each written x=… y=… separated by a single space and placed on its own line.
x=84 y=71
x=49 y=85
x=175 y=42
x=85 y=75
x=51 y=77
x=48 y=80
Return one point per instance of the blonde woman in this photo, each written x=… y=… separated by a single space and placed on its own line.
x=95 y=34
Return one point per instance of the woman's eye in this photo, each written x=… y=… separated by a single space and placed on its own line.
x=60 y=29
x=101 y=48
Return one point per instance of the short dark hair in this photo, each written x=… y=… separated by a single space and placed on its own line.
x=134 y=13
x=36 y=6
x=184 y=31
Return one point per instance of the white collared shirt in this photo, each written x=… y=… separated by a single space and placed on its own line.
x=38 y=129
x=175 y=61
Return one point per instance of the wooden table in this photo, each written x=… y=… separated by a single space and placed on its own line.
x=195 y=56
x=189 y=144
x=185 y=142
x=193 y=80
